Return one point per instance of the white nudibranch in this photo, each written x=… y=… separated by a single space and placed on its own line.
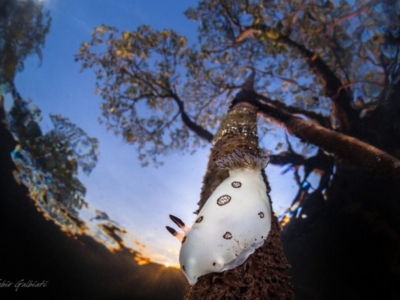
x=232 y=224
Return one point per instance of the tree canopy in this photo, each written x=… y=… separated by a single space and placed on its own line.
x=330 y=63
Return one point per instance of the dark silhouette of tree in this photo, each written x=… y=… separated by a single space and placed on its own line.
x=327 y=73
x=60 y=152
x=23 y=29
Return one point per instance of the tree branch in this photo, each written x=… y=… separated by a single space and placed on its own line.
x=246 y=33
x=288 y=80
x=285 y=158
x=341 y=100
x=197 y=129
x=229 y=17
x=344 y=146
x=294 y=110
x=349 y=16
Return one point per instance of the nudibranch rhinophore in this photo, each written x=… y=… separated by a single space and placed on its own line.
x=232 y=224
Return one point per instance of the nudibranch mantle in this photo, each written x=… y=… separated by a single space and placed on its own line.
x=233 y=223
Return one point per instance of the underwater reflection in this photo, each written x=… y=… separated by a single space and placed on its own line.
x=48 y=165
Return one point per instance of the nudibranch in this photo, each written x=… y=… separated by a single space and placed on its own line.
x=232 y=224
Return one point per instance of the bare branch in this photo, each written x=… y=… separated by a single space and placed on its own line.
x=246 y=33
x=228 y=15
x=197 y=129
x=288 y=80
x=287 y=157
x=332 y=84
x=294 y=110
x=349 y=16
x=346 y=86
x=346 y=147
x=167 y=124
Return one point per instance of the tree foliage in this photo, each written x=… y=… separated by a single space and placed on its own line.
x=146 y=100
x=332 y=63
x=328 y=73
x=23 y=27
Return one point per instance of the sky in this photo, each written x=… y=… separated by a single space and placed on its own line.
x=139 y=199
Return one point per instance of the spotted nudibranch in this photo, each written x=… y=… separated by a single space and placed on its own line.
x=232 y=224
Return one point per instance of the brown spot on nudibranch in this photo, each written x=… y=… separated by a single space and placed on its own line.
x=214 y=263
x=199 y=219
x=223 y=200
x=183 y=268
x=184 y=239
x=227 y=235
x=236 y=184
x=261 y=214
